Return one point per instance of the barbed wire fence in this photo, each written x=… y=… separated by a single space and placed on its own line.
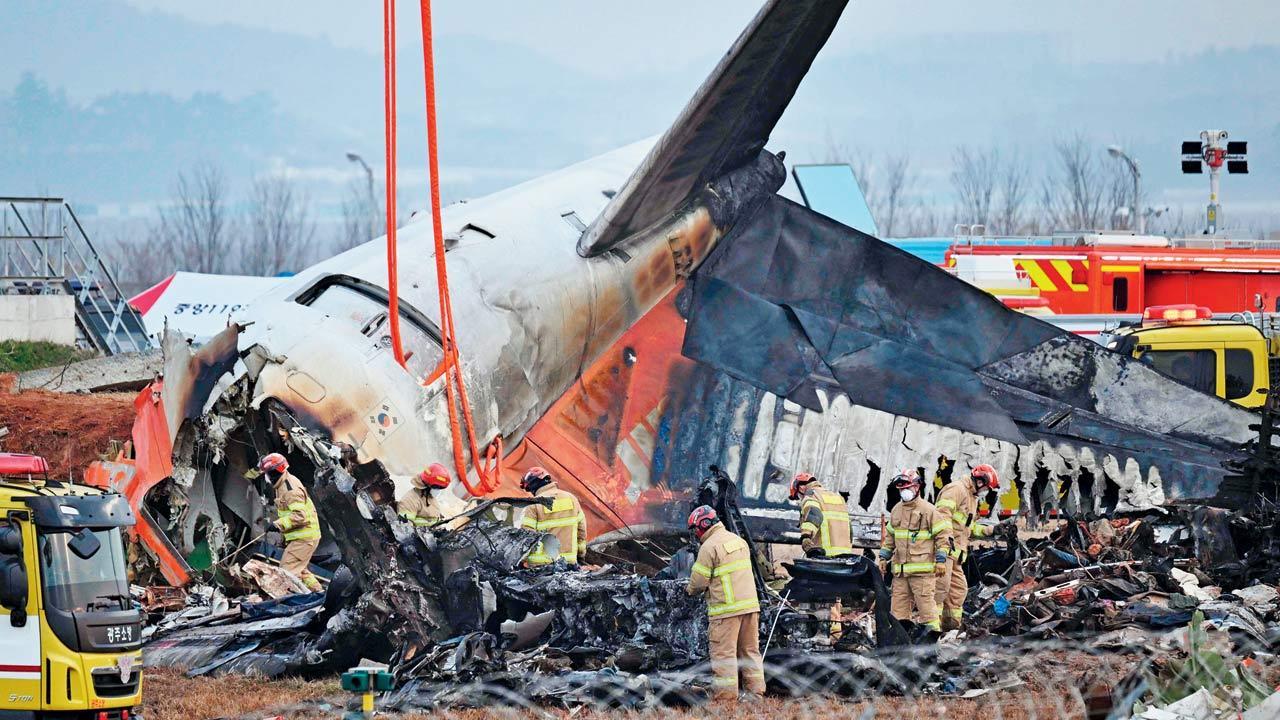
x=1197 y=671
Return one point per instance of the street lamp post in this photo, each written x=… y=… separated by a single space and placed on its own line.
x=373 y=200
x=1139 y=219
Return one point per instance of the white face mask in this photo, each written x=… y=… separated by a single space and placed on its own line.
x=907 y=495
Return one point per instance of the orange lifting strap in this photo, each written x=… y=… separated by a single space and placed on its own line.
x=489 y=463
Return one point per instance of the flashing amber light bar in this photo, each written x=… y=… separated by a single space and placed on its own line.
x=1176 y=313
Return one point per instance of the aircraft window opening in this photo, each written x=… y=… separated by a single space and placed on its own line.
x=478 y=229
x=368 y=314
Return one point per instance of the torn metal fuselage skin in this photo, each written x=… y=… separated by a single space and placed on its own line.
x=309 y=370
x=537 y=295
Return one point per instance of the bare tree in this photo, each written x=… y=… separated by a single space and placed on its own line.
x=1171 y=222
x=973 y=177
x=193 y=231
x=923 y=221
x=1014 y=182
x=888 y=187
x=893 y=199
x=1119 y=203
x=131 y=256
x=280 y=234
x=363 y=218
x=1072 y=192
x=860 y=162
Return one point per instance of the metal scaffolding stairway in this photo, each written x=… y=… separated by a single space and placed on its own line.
x=44 y=250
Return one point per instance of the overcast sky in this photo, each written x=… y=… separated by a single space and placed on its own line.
x=153 y=87
x=607 y=38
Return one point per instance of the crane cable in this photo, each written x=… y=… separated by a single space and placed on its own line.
x=488 y=465
x=389 y=133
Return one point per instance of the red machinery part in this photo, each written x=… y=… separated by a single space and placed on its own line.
x=19 y=464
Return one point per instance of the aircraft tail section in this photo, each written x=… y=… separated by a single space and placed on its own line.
x=727 y=122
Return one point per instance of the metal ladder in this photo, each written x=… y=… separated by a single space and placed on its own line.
x=44 y=250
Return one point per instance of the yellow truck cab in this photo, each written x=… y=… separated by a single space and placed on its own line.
x=1233 y=360
x=70 y=635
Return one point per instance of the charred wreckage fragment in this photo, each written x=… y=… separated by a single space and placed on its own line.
x=451 y=606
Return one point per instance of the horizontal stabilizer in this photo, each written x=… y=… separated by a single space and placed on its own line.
x=800 y=305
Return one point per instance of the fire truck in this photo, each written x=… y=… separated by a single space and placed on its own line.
x=70 y=635
x=1118 y=273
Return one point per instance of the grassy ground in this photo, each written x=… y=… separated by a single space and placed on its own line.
x=169 y=695
x=22 y=356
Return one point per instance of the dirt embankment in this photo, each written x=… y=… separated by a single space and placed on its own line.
x=68 y=430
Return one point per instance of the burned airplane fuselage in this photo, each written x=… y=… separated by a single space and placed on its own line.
x=809 y=348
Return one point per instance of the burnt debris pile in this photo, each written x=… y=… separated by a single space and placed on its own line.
x=462 y=622
x=1151 y=570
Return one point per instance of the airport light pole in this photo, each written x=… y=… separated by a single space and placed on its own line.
x=1140 y=220
x=373 y=199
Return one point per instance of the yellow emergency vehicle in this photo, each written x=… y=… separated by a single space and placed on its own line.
x=70 y=635
x=1235 y=360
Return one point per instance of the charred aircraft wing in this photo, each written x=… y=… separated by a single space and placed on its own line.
x=726 y=123
x=795 y=304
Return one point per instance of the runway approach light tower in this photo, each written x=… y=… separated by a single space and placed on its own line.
x=1209 y=150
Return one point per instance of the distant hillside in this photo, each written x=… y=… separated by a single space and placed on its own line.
x=108 y=118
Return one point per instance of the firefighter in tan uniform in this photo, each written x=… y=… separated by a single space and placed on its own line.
x=296 y=519
x=916 y=542
x=419 y=506
x=723 y=572
x=959 y=500
x=564 y=519
x=824 y=518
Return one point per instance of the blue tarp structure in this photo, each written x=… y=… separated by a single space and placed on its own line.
x=834 y=191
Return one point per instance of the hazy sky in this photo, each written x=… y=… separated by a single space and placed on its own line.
x=608 y=37
x=264 y=86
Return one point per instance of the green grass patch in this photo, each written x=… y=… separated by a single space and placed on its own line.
x=16 y=356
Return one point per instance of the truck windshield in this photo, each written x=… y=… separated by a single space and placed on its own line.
x=75 y=584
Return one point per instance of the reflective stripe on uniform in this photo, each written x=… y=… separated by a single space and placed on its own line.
x=957 y=613
x=569 y=551
x=725 y=573
x=549 y=524
x=702 y=570
x=715 y=610
x=913 y=568
x=729 y=568
x=922 y=534
x=416 y=520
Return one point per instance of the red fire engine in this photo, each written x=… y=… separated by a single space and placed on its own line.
x=1102 y=273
